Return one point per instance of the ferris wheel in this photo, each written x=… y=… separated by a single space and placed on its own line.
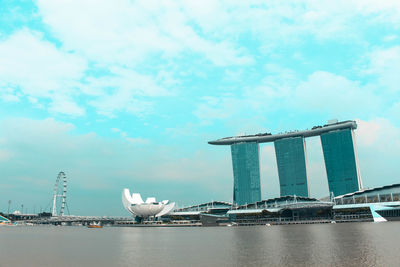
x=60 y=191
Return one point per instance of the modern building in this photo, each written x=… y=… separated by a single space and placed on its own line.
x=246 y=173
x=137 y=207
x=340 y=156
x=379 y=204
x=282 y=210
x=341 y=161
x=291 y=160
x=194 y=213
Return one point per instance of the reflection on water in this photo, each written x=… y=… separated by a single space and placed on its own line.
x=353 y=244
x=345 y=251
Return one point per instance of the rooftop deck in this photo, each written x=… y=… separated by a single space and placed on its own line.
x=268 y=137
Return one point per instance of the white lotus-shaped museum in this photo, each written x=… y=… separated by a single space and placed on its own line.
x=135 y=205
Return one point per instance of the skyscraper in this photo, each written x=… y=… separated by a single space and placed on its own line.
x=337 y=139
x=246 y=173
x=291 y=161
x=341 y=161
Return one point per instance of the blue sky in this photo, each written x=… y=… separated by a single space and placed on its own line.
x=127 y=93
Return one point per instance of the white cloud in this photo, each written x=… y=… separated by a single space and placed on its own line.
x=39 y=70
x=53 y=78
x=277 y=22
x=4 y=155
x=10 y=98
x=213 y=108
x=126 y=79
x=14 y=130
x=109 y=105
x=132 y=140
x=9 y=94
x=65 y=105
x=127 y=32
x=383 y=11
x=390 y=38
x=334 y=94
x=378 y=144
x=125 y=90
x=321 y=92
x=394 y=112
x=125 y=35
x=379 y=133
x=384 y=63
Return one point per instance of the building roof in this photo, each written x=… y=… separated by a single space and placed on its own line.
x=379 y=205
x=184 y=213
x=291 y=202
x=207 y=205
x=280 y=200
x=250 y=211
x=268 y=137
x=370 y=190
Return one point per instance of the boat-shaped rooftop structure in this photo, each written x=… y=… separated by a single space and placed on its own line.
x=268 y=137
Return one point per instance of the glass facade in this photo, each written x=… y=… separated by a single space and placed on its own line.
x=291 y=160
x=246 y=173
x=340 y=162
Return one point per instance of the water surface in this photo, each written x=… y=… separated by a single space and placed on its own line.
x=351 y=244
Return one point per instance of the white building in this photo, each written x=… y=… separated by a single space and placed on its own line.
x=135 y=205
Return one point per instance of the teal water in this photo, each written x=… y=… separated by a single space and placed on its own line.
x=352 y=244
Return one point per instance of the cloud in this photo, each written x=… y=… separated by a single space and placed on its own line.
x=390 y=38
x=111 y=57
x=124 y=90
x=285 y=91
x=4 y=155
x=384 y=12
x=132 y=140
x=65 y=105
x=378 y=132
x=274 y=23
x=9 y=95
x=55 y=79
x=127 y=32
x=35 y=68
x=334 y=94
x=25 y=133
x=213 y=108
x=384 y=64
x=378 y=145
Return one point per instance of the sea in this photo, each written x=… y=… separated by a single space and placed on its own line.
x=344 y=244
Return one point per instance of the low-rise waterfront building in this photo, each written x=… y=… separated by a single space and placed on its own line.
x=284 y=209
x=377 y=204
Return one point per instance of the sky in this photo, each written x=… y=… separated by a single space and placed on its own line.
x=128 y=93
